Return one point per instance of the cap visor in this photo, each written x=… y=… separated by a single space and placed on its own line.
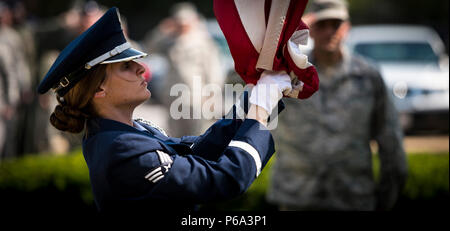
x=332 y=14
x=126 y=55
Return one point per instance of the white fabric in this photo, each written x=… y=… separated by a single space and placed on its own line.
x=269 y=90
x=117 y=50
x=164 y=157
x=250 y=150
x=277 y=16
x=252 y=15
x=125 y=59
x=157 y=179
x=153 y=172
x=154 y=178
x=297 y=39
x=158 y=173
x=151 y=124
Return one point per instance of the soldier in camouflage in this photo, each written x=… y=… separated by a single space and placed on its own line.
x=324 y=160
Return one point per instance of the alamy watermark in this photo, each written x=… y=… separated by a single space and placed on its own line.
x=212 y=101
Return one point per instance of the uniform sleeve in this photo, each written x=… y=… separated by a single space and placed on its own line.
x=208 y=145
x=387 y=132
x=189 y=140
x=211 y=147
x=211 y=144
x=193 y=179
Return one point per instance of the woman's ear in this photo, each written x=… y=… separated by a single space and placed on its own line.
x=101 y=90
x=100 y=93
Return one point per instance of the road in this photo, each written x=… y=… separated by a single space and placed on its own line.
x=430 y=143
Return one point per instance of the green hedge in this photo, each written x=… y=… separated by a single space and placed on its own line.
x=427 y=186
x=47 y=182
x=62 y=183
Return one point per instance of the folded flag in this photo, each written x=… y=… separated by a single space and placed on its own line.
x=266 y=35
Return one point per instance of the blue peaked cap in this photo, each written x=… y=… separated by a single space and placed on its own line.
x=104 y=42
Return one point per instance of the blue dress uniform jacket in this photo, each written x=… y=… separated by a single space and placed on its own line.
x=132 y=168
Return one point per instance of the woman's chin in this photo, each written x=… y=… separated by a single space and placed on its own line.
x=147 y=95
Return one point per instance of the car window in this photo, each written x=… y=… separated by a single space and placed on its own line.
x=398 y=52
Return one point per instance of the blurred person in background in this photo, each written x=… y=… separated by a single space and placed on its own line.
x=334 y=170
x=16 y=78
x=52 y=34
x=28 y=137
x=5 y=108
x=90 y=13
x=55 y=35
x=183 y=39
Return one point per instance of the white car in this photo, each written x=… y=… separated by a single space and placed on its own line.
x=415 y=67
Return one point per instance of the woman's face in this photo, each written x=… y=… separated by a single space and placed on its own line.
x=125 y=85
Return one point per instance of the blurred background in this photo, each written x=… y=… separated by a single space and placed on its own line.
x=39 y=166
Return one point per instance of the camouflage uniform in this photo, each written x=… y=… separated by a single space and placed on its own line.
x=324 y=160
x=16 y=80
x=4 y=101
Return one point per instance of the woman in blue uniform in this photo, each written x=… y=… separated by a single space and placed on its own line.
x=133 y=164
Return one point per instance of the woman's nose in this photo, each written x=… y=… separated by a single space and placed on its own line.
x=140 y=70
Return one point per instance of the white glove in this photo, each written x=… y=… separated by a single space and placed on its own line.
x=269 y=89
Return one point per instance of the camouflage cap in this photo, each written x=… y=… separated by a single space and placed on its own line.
x=329 y=9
